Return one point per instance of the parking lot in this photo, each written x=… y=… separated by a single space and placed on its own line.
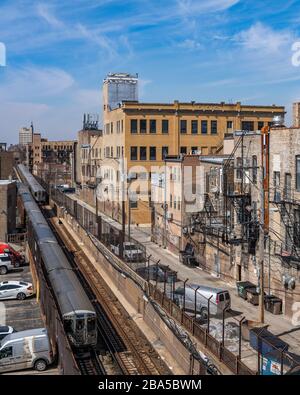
x=21 y=314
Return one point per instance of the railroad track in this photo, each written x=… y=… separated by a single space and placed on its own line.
x=92 y=364
x=127 y=344
x=89 y=364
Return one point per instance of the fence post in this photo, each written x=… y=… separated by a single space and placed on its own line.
x=99 y=223
x=195 y=312
x=223 y=325
x=240 y=337
x=237 y=365
x=208 y=313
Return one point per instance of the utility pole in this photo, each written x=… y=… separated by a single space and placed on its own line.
x=264 y=213
x=261 y=249
x=121 y=249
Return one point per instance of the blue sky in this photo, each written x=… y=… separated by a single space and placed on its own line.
x=58 y=53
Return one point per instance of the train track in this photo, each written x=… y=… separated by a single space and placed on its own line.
x=89 y=364
x=128 y=346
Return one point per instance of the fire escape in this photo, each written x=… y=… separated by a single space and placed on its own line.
x=289 y=209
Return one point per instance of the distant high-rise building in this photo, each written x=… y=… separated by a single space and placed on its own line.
x=118 y=87
x=26 y=135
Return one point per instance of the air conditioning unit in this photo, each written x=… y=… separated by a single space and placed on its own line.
x=132 y=176
x=169 y=216
x=288 y=281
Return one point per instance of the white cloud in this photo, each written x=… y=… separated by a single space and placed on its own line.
x=262 y=38
x=44 y=12
x=35 y=83
x=193 y=7
x=190 y=44
x=97 y=38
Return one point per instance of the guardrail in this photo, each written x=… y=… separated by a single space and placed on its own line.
x=16 y=238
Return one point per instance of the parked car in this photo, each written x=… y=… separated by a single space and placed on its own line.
x=6 y=264
x=6 y=330
x=17 y=258
x=131 y=252
x=220 y=298
x=15 y=290
x=158 y=273
x=24 y=350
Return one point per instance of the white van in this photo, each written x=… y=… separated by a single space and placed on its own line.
x=219 y=299
x=25 y=350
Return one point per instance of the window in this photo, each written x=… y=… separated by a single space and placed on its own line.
x=203 y=127
x=297 y=228
x=152 y=126
x=287 y=186
x=143 y=153
x=171 y=201
x=133 y=153
x=175 y=202
x=133 y=203
x=143 y=126
x=239 y=170
x=194 y=150
x=194 y=127
x=7 y=352
x=183 y=150
x=254 y=169
x=91 y=324
x=248 y=125
x=183 y=126
x=229 y=124
x=133 y=126
x=111 y=128
x=214 y=127
x=298 y=173
x=165 y=126
x=164 y=152
x=276 y=184
x=152 y=153
x=260 y=125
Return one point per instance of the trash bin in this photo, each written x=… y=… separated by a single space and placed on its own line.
x=265 y=342
x=252 y=296
x=273 y=304
x=248 y=325
x=242 y=287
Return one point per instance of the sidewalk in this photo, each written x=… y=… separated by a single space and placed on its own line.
x=278 y=325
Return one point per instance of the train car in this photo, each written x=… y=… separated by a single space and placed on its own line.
x=76 y=310
x=34 y=186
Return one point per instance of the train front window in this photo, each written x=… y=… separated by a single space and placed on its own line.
x=68 y=324
x=80 y=324
x=91 y=324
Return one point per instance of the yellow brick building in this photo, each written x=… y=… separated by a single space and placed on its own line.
x=144 y=133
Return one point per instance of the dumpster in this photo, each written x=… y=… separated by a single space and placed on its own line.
x=273 y=304
x=247 y=325
x=252 y=296
x=275 y=363
x=265 y=342
x=242 y=286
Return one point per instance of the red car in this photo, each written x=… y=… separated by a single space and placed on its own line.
x=16 y=258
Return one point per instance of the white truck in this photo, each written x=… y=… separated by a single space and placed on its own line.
x=131 y=252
